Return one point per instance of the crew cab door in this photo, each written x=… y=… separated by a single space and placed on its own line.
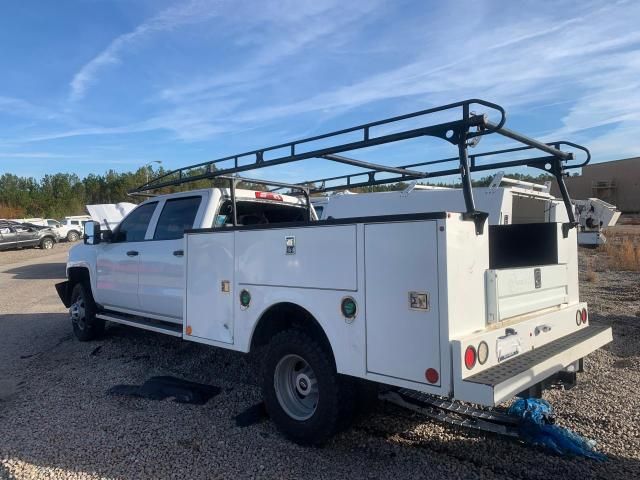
x=118 y=261
x=162 y=265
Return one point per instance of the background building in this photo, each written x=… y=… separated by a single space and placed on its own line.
x=616 y=182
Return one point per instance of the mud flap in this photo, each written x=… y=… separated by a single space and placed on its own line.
x=64 y=292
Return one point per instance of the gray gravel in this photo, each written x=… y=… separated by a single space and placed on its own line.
x=7 y=257
x=56 y=420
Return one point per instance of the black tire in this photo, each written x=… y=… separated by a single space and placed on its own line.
x=334 y=405
x=73 y=236
x=86 y=326
x=47 y=243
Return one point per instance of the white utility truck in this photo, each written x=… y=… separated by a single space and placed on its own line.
x=594 y=215
x=432 y=301
x=506 y=200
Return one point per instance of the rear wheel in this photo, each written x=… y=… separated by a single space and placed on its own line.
x=83 y=314
x=73 y=236
x=46 y=243
x=305 y=397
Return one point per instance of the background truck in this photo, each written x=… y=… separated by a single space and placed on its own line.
x=594 y=215
x=506 y=201
x=434 y=301
x=67 y=229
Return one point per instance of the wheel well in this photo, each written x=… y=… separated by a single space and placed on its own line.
x=74 y=275
x=285 y=316
x=47 y=236
x=78 y=274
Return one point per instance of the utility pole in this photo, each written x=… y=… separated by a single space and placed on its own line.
x=146 y=167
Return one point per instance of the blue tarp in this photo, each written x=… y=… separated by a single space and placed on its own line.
x=537 y=427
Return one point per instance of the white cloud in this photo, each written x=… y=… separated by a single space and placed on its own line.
x=277 y=30
x=180 y=15
x=13 y=155
x=583 y=58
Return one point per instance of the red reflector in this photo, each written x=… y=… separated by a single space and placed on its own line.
x=584 y=315
x=432 y=375
x=268 y=196
x=470 y=357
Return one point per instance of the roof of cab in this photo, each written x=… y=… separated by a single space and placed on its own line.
x=241 y=194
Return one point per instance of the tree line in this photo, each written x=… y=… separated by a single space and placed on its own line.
x=61 y=194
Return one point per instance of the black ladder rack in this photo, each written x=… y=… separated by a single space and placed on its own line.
x=463 y=132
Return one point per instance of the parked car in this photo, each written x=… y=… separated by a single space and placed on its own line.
x=70 y=230
x=74 y=226
x=23 y=235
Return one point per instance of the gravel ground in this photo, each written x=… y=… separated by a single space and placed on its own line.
x=8 y=257
x=56 y=420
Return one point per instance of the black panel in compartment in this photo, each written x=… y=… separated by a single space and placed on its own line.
x=523 y=245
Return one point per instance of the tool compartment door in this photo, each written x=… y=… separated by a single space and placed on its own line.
x=402 y=318
x=209 y=286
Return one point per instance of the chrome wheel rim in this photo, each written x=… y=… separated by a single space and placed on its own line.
x=48 y=244
x=77 y=312
x=296 y=387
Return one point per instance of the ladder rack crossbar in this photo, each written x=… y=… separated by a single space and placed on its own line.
x=320 y=185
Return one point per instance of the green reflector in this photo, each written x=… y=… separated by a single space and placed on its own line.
x=349 y=307
x=245 y=298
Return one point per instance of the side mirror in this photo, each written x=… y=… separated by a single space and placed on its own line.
x=91 y=233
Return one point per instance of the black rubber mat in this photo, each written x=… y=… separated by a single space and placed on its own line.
x=160 y=388
x=252 y=415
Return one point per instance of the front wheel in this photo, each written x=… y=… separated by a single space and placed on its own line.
x=82 y=311
x=303 y=394
x=73 y=236
x=46 y=243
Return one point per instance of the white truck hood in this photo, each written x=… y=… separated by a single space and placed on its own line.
x=110 y=214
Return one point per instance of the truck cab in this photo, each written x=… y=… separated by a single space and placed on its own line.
x=139 y=269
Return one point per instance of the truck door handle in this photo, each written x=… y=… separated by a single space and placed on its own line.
x=178 y=253
x=132 y=253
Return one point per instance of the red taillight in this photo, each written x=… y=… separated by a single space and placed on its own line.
x=268 y=196
x=584 y=315
x=470 y=357
x=432 y=375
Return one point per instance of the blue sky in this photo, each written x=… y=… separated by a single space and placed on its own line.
x=92 y=85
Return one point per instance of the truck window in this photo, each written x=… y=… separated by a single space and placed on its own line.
x=134 y=227
x=177 y=215
x=259 y=213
